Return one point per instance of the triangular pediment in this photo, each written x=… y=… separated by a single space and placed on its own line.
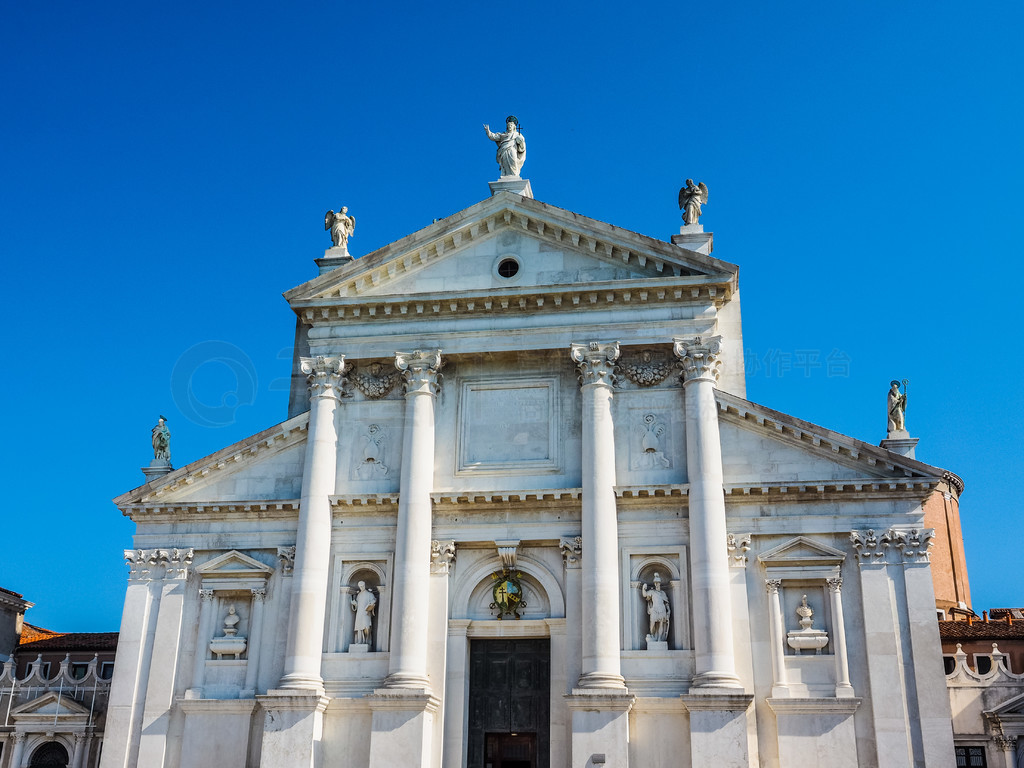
x=264 y=466
x=50 y=705
x=763 y=445
x=553 y=247
x=1010 y=707
x=233 y=565
x=802 y=551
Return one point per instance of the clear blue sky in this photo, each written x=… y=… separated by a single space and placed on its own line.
x=165 y=170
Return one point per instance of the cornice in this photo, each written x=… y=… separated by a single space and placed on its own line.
x=219 y=510
x=704 y=289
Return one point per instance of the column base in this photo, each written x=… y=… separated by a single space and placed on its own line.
x=721 y=729
x=402 y=680
x=602 y=681
x=716 y=680
x=293 y=726
x=299 y=685
x=600 y=727
x=401 y=728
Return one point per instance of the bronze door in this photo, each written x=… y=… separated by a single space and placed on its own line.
x=509 y=698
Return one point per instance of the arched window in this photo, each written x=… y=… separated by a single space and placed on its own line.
x=49 y=755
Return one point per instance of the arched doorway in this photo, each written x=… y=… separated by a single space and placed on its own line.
x=49 y=755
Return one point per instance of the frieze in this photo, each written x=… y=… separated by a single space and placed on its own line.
x=648 y=367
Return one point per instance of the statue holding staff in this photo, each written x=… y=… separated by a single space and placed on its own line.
x=162 y=441
x=897 y=406
x=511 y=147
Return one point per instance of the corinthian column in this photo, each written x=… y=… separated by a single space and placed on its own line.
x=596 y=363
x=313 y=541
x=407 y=666
x=712 y=608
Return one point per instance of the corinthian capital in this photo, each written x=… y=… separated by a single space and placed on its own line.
x=596 y=362
x=422 y=370
x=324 y=375
x=700 y=357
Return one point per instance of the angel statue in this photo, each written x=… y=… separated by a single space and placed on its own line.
x=342 y=227
x=511 y=147
x=691 y=198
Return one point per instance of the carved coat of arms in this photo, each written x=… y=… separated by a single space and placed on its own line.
x=508 y=593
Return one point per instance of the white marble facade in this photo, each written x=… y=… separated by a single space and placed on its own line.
x=581 y=423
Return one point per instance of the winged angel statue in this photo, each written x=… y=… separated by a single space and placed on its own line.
x=691 y=198
x=341 y=225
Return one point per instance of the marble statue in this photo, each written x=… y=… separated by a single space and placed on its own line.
x=657 y=609
x=231 y=644
x=342 y=226
x=364 y=604
x=162 y=441
x=511 y=147
x=807 y=638
x=897 y=406
x=691 y=197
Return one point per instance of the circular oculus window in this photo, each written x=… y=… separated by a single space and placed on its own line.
x=508 y=267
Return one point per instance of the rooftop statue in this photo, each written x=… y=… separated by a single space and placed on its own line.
x=341 y=225
x=162 y=441
x=897 y=407
x=691 y=198
x=511 y=147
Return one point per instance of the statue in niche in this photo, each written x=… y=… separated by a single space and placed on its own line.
x=230 y=644
x=691 y=198
x=807 y=638
x=373 y=464
x=511 y=147
x=651 y=431
x=231 y=622
x=342 y=227
x=897 y=402
x=162 y=441
x=658 y=610
x=364 y=604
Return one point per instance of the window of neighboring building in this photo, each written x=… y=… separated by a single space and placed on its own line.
x=44 y=668
x=106 y=670
x=949 y=664
x=970 y=757
x=982 y=663
x=79 y=669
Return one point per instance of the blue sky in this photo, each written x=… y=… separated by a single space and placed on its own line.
x=165 y=170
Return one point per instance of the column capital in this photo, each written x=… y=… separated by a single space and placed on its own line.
x=1006 y=743
x=176 y=562
x=738 y=546
x=421 y=370
x=324 y=375
x=572 y=550
x=595 y=361
x=773 y=585
x=834 y=585
x=259 y=594
x=700 y=357
x=287 y=557
x=206 y=595
x=18 y=736
x=442 y=556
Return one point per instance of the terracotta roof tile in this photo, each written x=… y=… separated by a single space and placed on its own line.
x=73 y=641
x=981 y=630
x=30 y=633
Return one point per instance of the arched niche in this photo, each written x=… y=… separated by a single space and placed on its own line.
x=541 y=591
x=49 y=754
x=374 y=572
x=642 y=568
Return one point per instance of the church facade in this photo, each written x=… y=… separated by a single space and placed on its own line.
x=522 y=514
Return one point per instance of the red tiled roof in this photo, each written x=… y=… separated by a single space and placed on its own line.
x=981 y=630
x=73 y=641
x=11 y=592
x=30 y=633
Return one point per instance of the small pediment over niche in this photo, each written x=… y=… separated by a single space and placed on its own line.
x=1013 y=707
x=802 y=551
x=234 y=565
x=50 y=705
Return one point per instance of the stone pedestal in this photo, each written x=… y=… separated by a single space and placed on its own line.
x=692 y=237
x=600 y=727
x=157 y=468
x=216 y=732
x=816 y=733
x=721 y=730
x=332 y=259
x=402 y=727
x=904 y=446
x=293 y=727
x=358 y=648
x=511 y=184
